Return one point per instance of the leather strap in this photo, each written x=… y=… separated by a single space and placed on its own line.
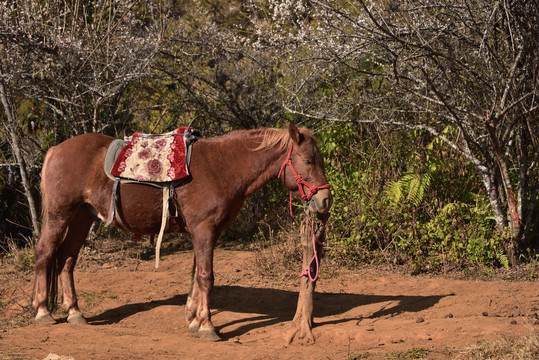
x=164 y=222
x=113 y=199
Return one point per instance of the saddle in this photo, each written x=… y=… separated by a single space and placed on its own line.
x=152 y=159
x=159 y=160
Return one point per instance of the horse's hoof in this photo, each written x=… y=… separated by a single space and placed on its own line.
x=193 y=327
x=76 y=318
x=209 y=334
x=45 y=319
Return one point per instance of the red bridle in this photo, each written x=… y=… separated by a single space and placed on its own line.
x=300 y=180
x=313 y=190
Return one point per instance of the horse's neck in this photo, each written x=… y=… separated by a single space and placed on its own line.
x=252 y=169
x=268 y=163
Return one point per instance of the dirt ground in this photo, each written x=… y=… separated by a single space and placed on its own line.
x=137 y=312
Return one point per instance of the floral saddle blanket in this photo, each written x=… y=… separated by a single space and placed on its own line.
x=158 y=160
x=153 y=159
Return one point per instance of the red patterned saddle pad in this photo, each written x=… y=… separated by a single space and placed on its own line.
x=153 y=158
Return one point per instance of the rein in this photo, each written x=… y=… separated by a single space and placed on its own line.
x=306 y=198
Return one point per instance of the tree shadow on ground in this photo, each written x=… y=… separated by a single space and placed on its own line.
x=272 y=306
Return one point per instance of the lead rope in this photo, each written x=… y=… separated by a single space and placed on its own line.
x=307 y=270
x=313 y=190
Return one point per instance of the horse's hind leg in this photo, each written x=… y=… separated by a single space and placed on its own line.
x=67 y=256
x=192 y=301
x=51 y=235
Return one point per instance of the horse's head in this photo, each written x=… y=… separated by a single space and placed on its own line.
x=303 y=171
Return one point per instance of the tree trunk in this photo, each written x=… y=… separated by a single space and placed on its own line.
x=303 y=319
x=12 y=128
x=515 y=221
x=495 y=202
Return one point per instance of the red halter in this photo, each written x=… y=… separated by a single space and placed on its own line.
x=301 y=182
x=313 y=190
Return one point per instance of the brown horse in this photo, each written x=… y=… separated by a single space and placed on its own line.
x=225 y=171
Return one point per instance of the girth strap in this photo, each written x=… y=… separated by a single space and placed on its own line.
x=168 y=195
x=113 y=212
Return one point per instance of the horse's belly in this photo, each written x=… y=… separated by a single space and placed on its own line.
x=139 y=209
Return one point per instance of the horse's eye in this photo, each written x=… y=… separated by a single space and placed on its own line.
x=307 y=162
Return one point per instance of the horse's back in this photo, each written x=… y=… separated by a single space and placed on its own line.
x=79 y=147
x=87 y=141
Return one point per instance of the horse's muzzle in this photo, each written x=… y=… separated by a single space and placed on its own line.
x=321 y=202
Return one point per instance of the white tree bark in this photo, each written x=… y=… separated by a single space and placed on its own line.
x=15 y=145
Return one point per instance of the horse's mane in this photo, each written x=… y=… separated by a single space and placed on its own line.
x=270 y=138
x=279 y=138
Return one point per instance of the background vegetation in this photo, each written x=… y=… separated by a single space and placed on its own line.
x=425 y=111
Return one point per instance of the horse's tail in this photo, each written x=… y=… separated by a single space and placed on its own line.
x=43 y=186
x=52 y=284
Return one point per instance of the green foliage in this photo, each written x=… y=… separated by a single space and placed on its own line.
x=433 y=217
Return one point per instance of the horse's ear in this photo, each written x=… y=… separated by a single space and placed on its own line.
x=295 y=134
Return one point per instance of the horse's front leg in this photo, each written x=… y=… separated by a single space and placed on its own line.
x=204 y=239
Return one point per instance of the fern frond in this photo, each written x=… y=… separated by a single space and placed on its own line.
x=411 y=187
x=450 y=208
x=394 y=192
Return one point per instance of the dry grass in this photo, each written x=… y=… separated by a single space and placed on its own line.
x=21 y=257
x=520 y=348
x=279 y=255
x=15 y=296
x=17 y=266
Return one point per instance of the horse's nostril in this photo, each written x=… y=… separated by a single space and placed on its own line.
x=322 y=205
x=326 y=203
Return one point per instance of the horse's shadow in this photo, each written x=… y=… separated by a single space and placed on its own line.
x=273 y=306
